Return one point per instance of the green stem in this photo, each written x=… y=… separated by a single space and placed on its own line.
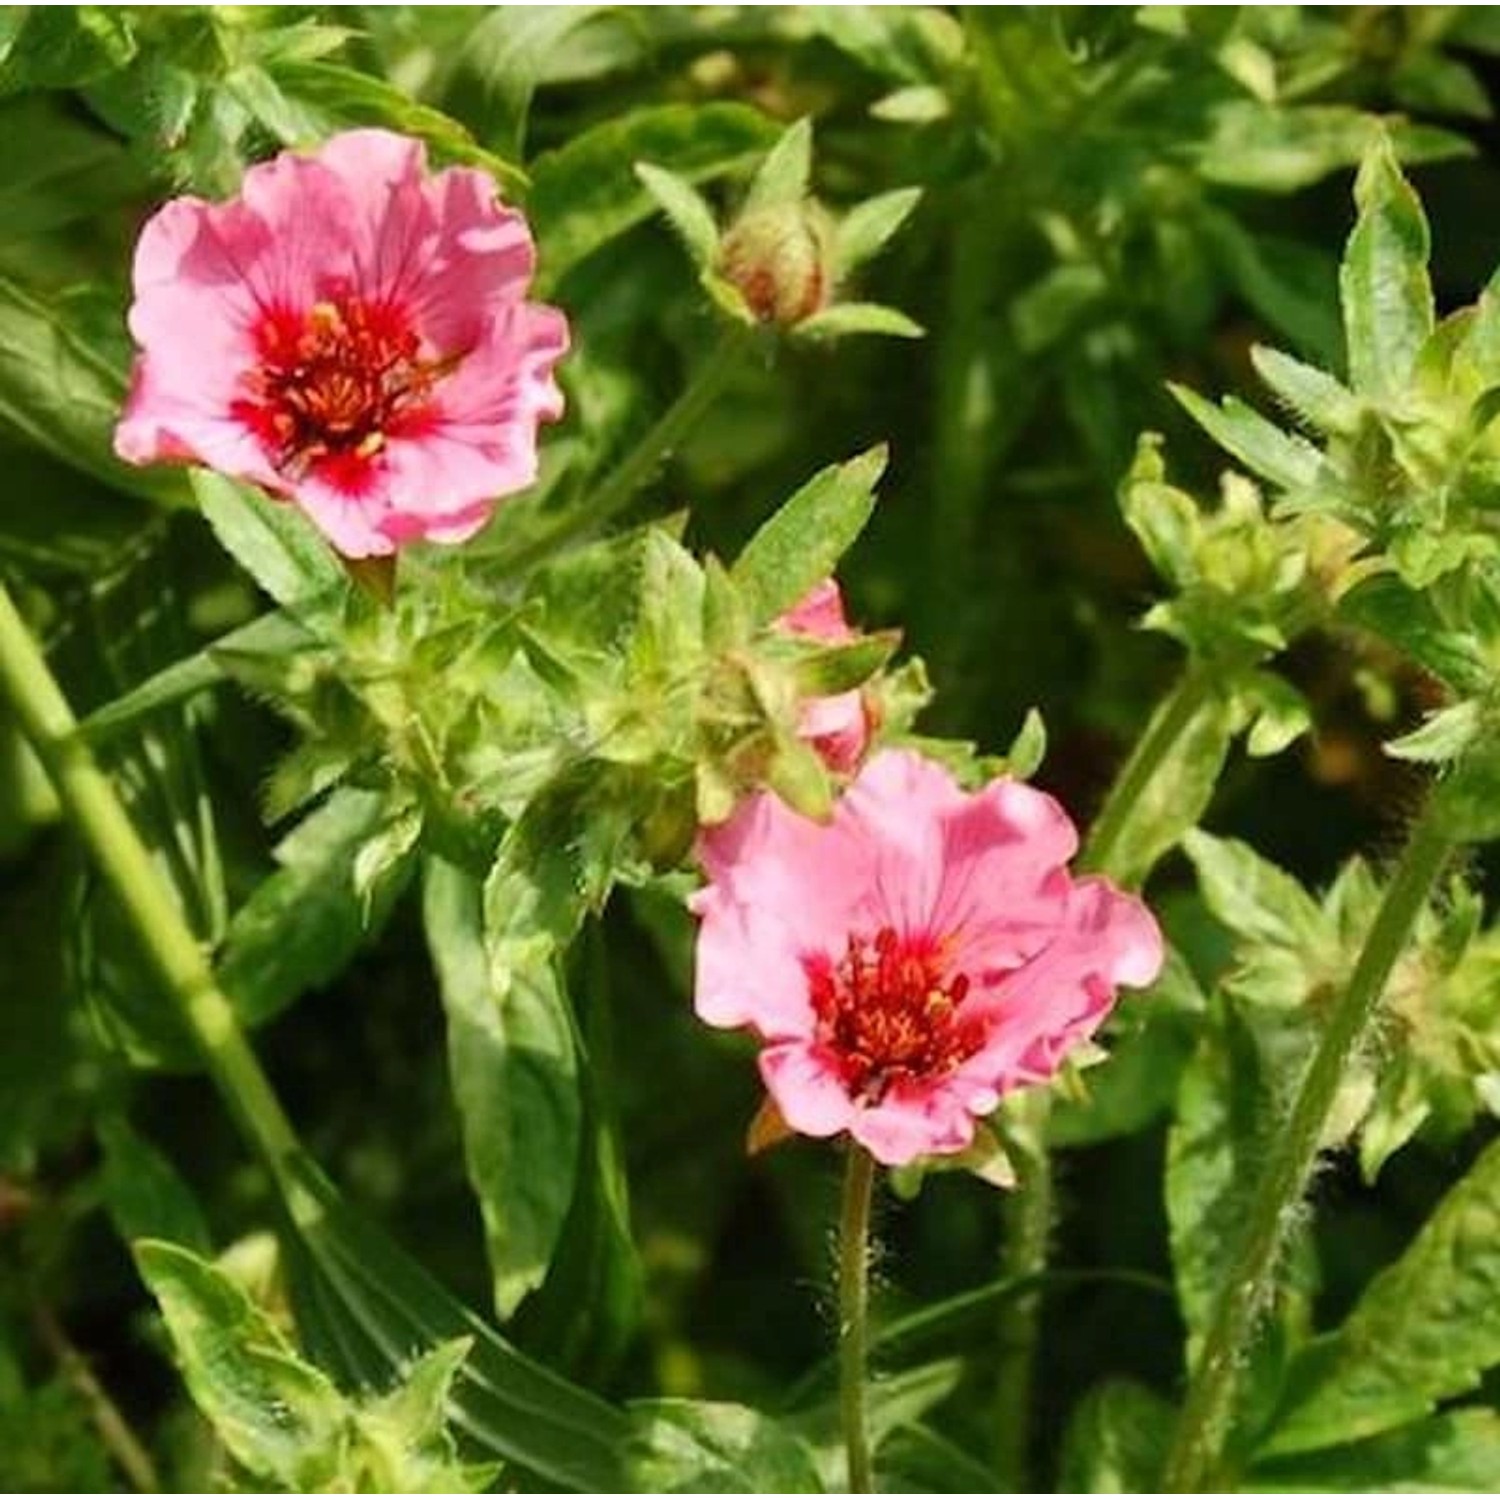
x=854 y=1302
x=1168 y=724
x=1027 y=1218
x=1205 y=1420
x=1027 y=1212
x=642 y=462
x=95 y=809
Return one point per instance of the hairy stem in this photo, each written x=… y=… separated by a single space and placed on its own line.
x=854 y=1306
x=638 y=466
x=1027 y=1213
x=1205 y=1421
x=96 y=811
x=121 y=1443
x=1026 y=1216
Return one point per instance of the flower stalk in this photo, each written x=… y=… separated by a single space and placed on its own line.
x=1205 y=1420
x=96 y=811
x=854 y=1301
x=1027 y=1213
x=638 y=466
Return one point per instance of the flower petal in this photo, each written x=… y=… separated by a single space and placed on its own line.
x=807 y=1089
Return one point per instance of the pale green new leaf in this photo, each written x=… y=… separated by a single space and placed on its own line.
x=863 y=232
x=1383 y=281
x=784 y=175
x=1313 y=395
x=845 y=318
x=1442 y=736
x=1288 y=461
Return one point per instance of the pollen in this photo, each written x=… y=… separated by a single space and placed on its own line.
x=891 y=1012
x=334 y=384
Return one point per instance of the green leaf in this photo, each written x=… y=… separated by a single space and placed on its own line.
x=801 y=544
x=1315 y=396
x=1251 y=896
x=845 y=318
x=1286 y=460
x=586 y=194
x=1426 y=1329
x=345 y=97
x=512 y=1055
x=64 y=395
x=691 y=1447
x=863 y=232
x=1164 y=518
x=1116 y=1441
x=145 y=1197
x=1176 y=796
x=272 y=540
x=271 y=634
x=1443 y=736
x=844 y=665
x=687 y=210
x=1029 y=748
x=47 y=47
x=1408 y=619
x=279 y=1417
x=1458 y=1451
x=505 y=57
x=364 y=1306
x=783 y=177
x=301 y=926
x=1383 y=282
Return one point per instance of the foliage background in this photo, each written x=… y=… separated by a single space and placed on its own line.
x=1111 y=200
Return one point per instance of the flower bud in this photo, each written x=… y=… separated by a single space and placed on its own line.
x=776 y=258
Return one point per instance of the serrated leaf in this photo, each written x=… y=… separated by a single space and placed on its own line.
x=1443 y=736
x=1116 y=1441
x=845 y=318
x=1426 y=1329
x=145 y=1196
x=864 y=231
x=301 y=926
x=1458 y=1451
x=1286 y=460
x=1408 y=619
x=61 y=393
x=272 y=540
x=281 y=1418
x=512 y=1057
x=713 y=1447
x=802 y=543
x=686 y=209
x=586 y=194
x=1383 y=282
x=1314 y=395
x=271 y=634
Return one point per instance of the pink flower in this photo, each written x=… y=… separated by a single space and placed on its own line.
x=837 y=727
x=913 y=960
x=352 y=333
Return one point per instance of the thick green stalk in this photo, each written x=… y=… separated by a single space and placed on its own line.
x=854 y=1307
x=1027 y=1214
x=639 y=465
x=1205 y=1420
x=94 y=807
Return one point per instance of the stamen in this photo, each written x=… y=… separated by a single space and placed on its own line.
x=889 y=1011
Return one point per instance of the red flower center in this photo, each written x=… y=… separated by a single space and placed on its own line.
x=334 y=383
x=891 y=1012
